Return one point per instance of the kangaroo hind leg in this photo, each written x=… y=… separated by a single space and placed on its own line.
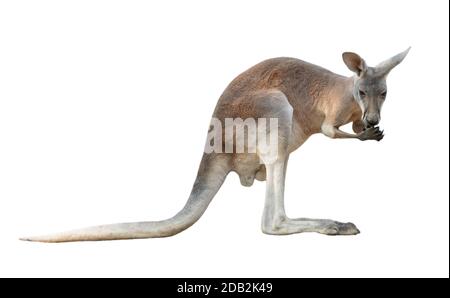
x=275 y=220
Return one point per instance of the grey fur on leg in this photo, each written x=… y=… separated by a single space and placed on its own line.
x=275 y=221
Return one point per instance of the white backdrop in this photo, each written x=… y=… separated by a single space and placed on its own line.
x=104 y=110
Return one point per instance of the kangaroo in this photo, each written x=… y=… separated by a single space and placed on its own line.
x=305 y=99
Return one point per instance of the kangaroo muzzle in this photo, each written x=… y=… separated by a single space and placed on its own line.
x=371 y=120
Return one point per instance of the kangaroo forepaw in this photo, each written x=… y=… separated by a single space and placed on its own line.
x=372 y=133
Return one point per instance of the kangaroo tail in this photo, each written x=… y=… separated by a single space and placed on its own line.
x=211 y=175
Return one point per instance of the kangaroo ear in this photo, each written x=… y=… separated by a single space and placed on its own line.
x=355 y=63
x=386 y=66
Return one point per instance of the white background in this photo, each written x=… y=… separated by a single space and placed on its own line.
x=104 y=109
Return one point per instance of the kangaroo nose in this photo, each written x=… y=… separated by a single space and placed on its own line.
x=372 y=121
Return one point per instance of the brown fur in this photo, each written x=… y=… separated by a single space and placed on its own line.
x=315 y=94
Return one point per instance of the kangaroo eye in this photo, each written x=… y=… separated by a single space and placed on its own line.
x=383 y=94
x=362 y=94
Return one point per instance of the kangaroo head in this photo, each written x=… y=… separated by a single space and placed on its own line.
x=369 y=89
